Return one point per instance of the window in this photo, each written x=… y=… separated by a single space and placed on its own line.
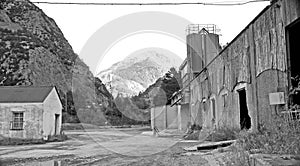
x=17 y=123
x=213 y=105
x=224 y=75
x=224 y=97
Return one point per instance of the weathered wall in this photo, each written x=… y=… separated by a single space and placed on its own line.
x=167 y=117
x=255 y=60
x=184 y=117
x=33 y=118
x=52 y=106
x=196 y=114
x=158 y=117
x=172 y=117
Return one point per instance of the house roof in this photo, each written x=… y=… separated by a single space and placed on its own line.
x=16 y=94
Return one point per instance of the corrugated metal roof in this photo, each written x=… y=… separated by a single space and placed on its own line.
x=18 y=94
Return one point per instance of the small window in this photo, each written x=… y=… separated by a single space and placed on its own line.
x=17 y=123
x=213 y=105
x=224 y=97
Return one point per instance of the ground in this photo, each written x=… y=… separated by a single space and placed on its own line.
x=127 y=146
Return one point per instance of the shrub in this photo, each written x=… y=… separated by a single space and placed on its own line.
x=57 y=138
x=282 y=137
x=223 y=134
x=193 y=132
x=192 y=136
x=237 y=156
x=19 y=141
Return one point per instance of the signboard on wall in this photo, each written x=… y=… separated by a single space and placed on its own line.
x=276 y=98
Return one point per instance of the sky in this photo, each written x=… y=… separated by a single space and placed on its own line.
x=104 y=35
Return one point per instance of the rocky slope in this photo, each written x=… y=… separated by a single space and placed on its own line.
x=34 y=52
x=138 y=71
x=138 y=107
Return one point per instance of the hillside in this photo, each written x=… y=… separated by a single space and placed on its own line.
x=138 y=71
x=138 y=107
x=34 y=52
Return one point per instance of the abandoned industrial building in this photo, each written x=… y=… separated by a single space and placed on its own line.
x=250 y=81
x=30 y=112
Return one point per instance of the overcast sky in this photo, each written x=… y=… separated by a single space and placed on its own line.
x=79 y=23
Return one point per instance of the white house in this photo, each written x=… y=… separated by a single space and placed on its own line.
x=30 y=112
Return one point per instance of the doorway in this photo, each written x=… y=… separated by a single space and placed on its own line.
x=56 y=124
x=293 y=49
x=245 y=120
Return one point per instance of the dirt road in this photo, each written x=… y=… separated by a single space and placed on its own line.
x=103 y=147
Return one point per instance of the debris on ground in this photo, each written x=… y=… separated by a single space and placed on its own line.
x=210 y=145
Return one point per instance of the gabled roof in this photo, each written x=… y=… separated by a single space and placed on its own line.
x=28 y=94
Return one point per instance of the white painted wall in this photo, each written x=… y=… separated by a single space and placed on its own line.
x=52 y=106
x=33 y=118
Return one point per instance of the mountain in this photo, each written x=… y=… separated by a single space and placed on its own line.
x=161 y=91
x=138 y=70
x=34 y=52
x=138 y=107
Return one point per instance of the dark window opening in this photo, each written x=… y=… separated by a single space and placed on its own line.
x=213 y=102
x=245 y=120
x=224 y=74
x=224 y=97
x=17 y=122
x=204 y=106
x=294 y=72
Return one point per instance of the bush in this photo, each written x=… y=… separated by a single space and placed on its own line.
x=57 y=138
x=223 y=134
x=192 y=136
x=193 y=132
x=282 y=137
x=237 y=156
x=18 y=141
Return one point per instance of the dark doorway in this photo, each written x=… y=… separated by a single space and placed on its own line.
x=293 y=40
x=56 y=124
x=245 y=120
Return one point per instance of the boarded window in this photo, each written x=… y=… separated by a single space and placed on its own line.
x=17 y=123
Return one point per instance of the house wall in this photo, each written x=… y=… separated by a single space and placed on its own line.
x=167 y=117
x=255 y=60
x=52 y=106
x=33 y=119
x=158 y=117
x=195 y=103
x=184 y=118
x=172 y=117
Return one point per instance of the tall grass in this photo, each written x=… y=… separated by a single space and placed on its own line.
x=281 y=137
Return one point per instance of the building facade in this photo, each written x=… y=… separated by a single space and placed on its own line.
x=246 y=84
x=30 y=112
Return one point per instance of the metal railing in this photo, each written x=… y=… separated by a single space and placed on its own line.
x=292 y=114
x=196 y=28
